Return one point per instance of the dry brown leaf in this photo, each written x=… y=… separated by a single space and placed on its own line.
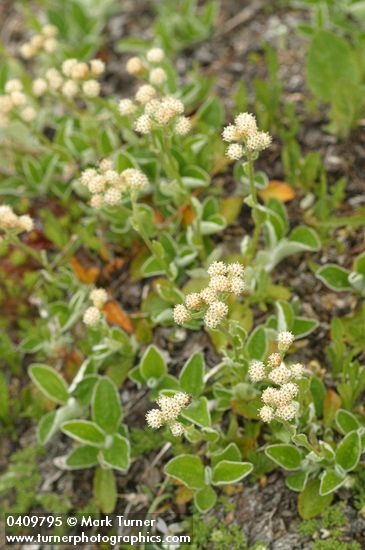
x=115 y=314
x=84 y=274
x=279 y=190
x=183 y=495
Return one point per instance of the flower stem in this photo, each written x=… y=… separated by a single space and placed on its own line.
x=255 y=216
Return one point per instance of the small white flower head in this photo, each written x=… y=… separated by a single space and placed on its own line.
x=182 y=126
x=286 y=412
x=181 y=314
x=96 y=201
x=13 y=85
x=219 y=283
x=280 y=375
x=87 y=176
x=99 y=297
x=163 y=114
x=230 y=133
x=92 y=316
x=91 y=88
x=270 y=396
x=193 y=300
x=97 y=67
x=285 y=340
x=135 y=179
x=217 y=268
x=216 y=312
x=27 y=51
x=235 y=270
x=126 y=107
x=28 y=114
x=112 y=177
x=145 y=93
x=70 y=88
x=246 y=124
x=39 y=87
x=258 y=141
x=234 y=151
x=170 y=408
x=68 y=65
x=37 y=42
x=256 y=371
x=8 y=218
x=112 y=196
x=174 y=105
x=79 y=71
x=177 y=429
x=182 y=399
x=208 y=295
x=134 y=65
x=274 y=360
x=155 y=55
x=157 y=76
x=105 y=165
x=297 y=370
x=152 y=107
x=54 y=78
x=237 y=285
x=143 y=124
x=155 y=419
x=25 y=223
x=18 y=99
x=266 y=413
x=50 y=45
x=6 y=104
x=289 y=390
x=96 y=184
x=49 y=31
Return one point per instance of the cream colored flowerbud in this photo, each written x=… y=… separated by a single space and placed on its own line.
x=97 y=67
x=50 y=45
x=182 y=126
x=92 y=316
x=99 y=297
x=237 y=285
x=145 y=93
x=286 y=412
x=13 y=85
x=134 y=65
x=37 y=41
x=155 y=55
x=68 y=65
x=181 y=314
x=157 y=76
x=256 y=371
x=155 y=419
x=96 y=201
x=27 y=51
x=112 y=196
x=217 y=268
x=246 y=124
x=280 y=375
x=216 y=312
x=49 y=31
x=182 y=399
x=208 y=295
x=28 y=114
x=235 y=270
x=258 y=141
x=26 y=223
x=219 y=283
x=234 y=151
x=143 y=124
x=266 y=413
x=126 y=107
x=285 y=340
x=79 y=71
x=193 y=300
x=135 y=179
x=274 y=360
x=54 y=78
x=18 y=99
x=297 y=370
x=39 y=87
x=91 y=88
x=70 y=88
x=177 y=429
x=6 y=104
x=230 y=133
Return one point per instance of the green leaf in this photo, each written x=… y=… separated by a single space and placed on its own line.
x=306 y=237
x=152 y=364
x=49 y=382
x=318 y=392
x=226 y=472
x=205 y=499
x=117 y=455
x=231 y=453
x=106 y=407
x=310 y=502
x=346 y=421
x=198 y=412
x=302 y=326
x=105 y=490
x=296 y=482
x=287 y=456
x=84 y=431
x=331 y=404
x=256 y=345
x=334 y=277
x=348 y=451
x=45 y=427
x=188 y=469
x=330 y=482
x=192 y=375
x=84 y=456
x=330 y=59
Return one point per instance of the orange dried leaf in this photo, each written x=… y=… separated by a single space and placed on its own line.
x=115 y=314
x=188 y=215
x=183 y=495
x=84 y=274
x=279 y=190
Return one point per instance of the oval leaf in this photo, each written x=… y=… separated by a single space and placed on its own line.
x=287 y=456
x=49 y=382
x=84 y=431
x=348 y=451
x=226 y=472
x=106 y=407
x=188 y=469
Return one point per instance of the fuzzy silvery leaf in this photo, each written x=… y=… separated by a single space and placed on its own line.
x=49 y=382
x=106 y=406
x=227 y=472
x=205 y=499
x=188 y=469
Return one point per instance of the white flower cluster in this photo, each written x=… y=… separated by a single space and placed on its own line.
x=92 y=315
x=224 y=279
x=10 y=221
x=107 y=186
x=168 y=412
x=278 y=400
x=77 y=78
x=244 y=137
x=46 y=41
x=152 y=107
x=15 y=101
